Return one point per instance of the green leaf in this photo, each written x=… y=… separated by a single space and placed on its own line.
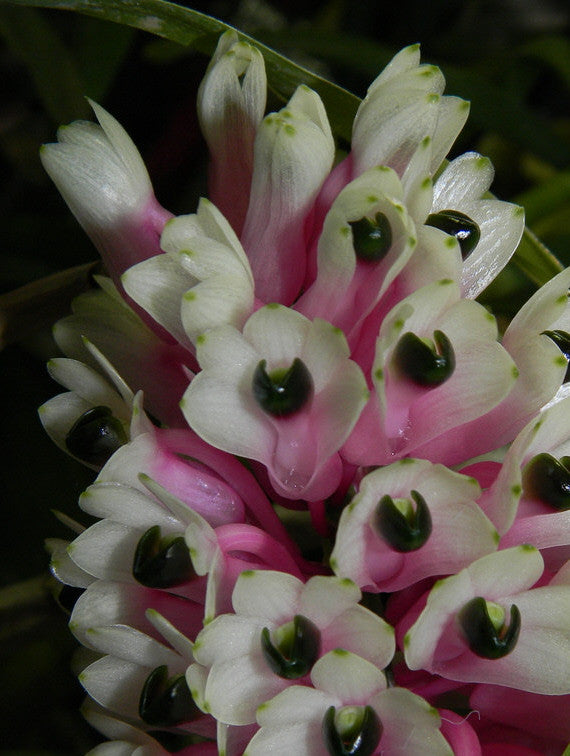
x=188 y=27
x=545 y=198
x=552 y=50
x=535 y=260
x=100 y=48
x=51 y=67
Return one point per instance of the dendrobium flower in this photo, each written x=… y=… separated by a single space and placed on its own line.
x=430 y=376
x=279 y=630
x=349 y=709
x=489 y=623
x=409 y=521
x=331 y=500
x=283 y=392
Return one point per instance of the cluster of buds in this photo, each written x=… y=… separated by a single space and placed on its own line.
x=332 y=501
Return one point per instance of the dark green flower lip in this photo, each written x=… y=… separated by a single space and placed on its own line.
x=548 y=479
x=425 y=364
x=296 y=650
x=351 y=731
x=162 y=562
x=481 y=633
x=166 y=702
x=403 y=532
x=372 y=237
x=95 y=436
x=459 y=225
x=282 y=392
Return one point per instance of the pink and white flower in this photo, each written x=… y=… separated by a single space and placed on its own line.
x=490 y=623
x=280 y=353
x=385 y=542
x=279 y=629
x=350 y=703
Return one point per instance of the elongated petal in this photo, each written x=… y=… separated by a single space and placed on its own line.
x=231 y=103
x=293 y=153
x=101 y=176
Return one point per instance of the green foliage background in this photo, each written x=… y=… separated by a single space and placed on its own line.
x=510 y=58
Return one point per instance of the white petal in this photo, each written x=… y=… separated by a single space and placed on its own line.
x=268 y=594
x=277 y=333
x=115 y=684
x=325 y=598
x=129 y=644
x=347 y=676
x=157 y=285
x=86 y=383
x=126 y=505
x=106 y=550
x=63 y=567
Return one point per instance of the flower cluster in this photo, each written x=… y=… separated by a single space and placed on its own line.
x=332 y=501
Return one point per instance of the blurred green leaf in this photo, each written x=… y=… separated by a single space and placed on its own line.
x=535 y=260
x=100 y=48
x=554 y=51
x=188 y=27
x=546 y=198
x=58 y=83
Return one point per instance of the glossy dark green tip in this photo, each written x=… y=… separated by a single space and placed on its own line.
x=297 y=650
x=164 y=702
x=95 y=436
x=481 y=634
x=548 y=479
x=403 y=532
x=459 y=225
x=282 y=392
x=351 y=731
x=372 y=237
x=162 y=562
x=425 y=364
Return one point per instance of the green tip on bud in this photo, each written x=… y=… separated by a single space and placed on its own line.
x=164 y=702
x=282 y=392
x=295 y=648
x=372 y=237
x=424 y=363
x=351 y=731
x=95 y=436
x=483 y=627
x=459 y=225
x=562 y=341
x=400 y=525
x=162 y=562
x=548 y=479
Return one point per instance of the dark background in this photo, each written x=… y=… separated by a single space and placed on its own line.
x=511 y=59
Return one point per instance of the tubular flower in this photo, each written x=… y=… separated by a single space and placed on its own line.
x=332 y=500
x=102 y=177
